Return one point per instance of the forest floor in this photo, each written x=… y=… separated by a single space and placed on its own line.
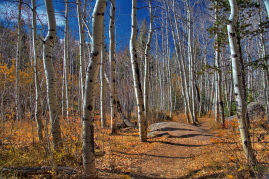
x=197 y=156
x=214 y=153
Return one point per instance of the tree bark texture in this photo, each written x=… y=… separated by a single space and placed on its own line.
x=39 y=123
x=65 y=92
x=146 y=74
x=90 y=90
x=112 y=60
x=237 y=79
x=18 y=61
x=50 y=77
x=136 y=76
x=82 y=74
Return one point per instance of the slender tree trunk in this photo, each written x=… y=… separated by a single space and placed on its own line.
x=136 y=77
x=90 y=90
x=182 y=66
x=238 y=91
x=266 y=3
x=102 y=85
x=50 y=77
x=18 y=60
x=146 y=74
x=82 y=75
x=65 y=92
x=219 y=100
x=39 y=123
x=191 y=66
x=112 y=60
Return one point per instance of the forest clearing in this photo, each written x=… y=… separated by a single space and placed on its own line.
x=123 y=156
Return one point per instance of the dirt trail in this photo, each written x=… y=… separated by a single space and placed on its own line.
x=173 y=157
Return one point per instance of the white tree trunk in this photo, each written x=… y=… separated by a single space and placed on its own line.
x=136 y=77
x=102 y=85
x=90 y=90
x=82 y=75
x=219 y=100
x=146 y=74
x=191 y=77
x=50 y=76
x=238 y=86
x=65 y=91
x=182 y=65
x=112 y=60
x=37 y=87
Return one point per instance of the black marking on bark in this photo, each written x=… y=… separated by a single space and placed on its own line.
x=84 y=119
x=246 y=143
x=114 y=101
x=90 y=107
x=235 y=94
x=114 y=81
x=234 y=55
x=232 y=34
x=94 y=54
x=140 y=113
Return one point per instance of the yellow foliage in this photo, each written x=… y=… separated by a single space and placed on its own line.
x=230 y=176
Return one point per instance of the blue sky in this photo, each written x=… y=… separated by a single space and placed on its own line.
x=8 y=11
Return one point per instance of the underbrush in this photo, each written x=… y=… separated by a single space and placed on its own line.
x=117 y=155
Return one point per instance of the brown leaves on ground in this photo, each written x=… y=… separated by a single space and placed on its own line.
x=123 y=156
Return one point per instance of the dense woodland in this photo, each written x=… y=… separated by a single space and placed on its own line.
x=189 y=57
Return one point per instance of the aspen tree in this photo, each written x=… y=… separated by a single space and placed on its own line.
x=51 y=82
x=82 y=74
x=218 y=74
x=65 y=91
x=112 y=60
x=90 y=90
x=238 y=86
x=182 y=66
x=266 y=3
x=37 y=87
x=102 y=85
x=146 y=72
x=18 y=61
x=136 y=77
x=191 y=75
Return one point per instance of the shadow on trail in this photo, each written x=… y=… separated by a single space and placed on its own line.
x=152 y=155
x=173 y=129
x=182 y=145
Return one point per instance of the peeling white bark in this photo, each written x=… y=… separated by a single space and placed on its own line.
x=50 y=76
x=136 y=77
x=146 y=74
x=238 y=85
x=37 y=87
x=90 y=90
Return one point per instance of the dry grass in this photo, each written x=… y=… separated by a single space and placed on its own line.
x=118 y=155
